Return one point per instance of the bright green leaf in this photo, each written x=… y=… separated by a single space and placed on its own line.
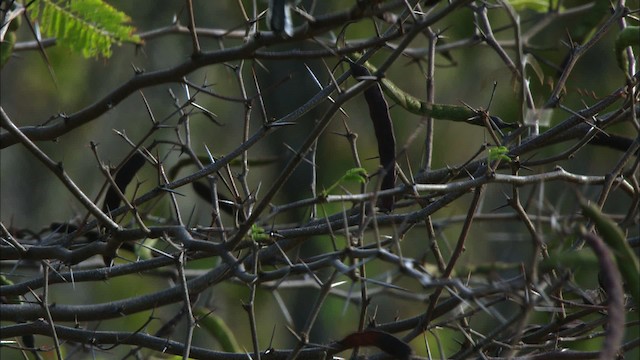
x=352 y=175
x=356 y=175
x=90 y=27
x=258 y=234
x=499 y=153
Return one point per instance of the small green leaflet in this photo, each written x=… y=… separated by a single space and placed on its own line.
x=358 y=175
x=258 y=234
x=499 y=153
x=355 y=175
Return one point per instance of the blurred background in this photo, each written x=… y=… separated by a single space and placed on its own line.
x=32 y=198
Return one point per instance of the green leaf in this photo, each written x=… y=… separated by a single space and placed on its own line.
x=14 y=299
x=144 y=250
x=613 y=236
x=540 y=6
x=258 y=234
x=89 y=27
x=12 y=19
x=572 y=259
x=352 y=175
x=356 y=175
x=6 y=48
x=627 y=37
x=535 y=66
x=218 y=329
x=499 y=153
x=437 y=111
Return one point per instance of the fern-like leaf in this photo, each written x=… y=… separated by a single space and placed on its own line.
x=90 y=27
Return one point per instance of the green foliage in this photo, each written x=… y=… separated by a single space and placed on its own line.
x=499 y=153
x=575 y=260
x=614 y=237
x=352 y=175
x=6 y=48
x=355 y=175
x=11 y=22
x=589 y=20
x=416 y=106
x=535 y=5
x=258 y=234
x=219 y=329
x=90 y=27
x=627 y=37
x=10 y=299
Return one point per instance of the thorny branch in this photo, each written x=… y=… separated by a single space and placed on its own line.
x=537 y=302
